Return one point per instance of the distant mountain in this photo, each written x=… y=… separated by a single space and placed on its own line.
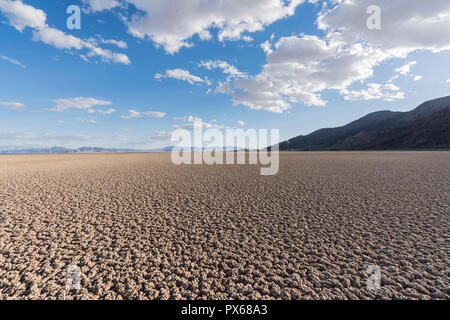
x=426 y=127
x=61 y=150
x=209 y=149
x=88 y=150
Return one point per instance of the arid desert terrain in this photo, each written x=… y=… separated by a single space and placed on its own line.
x=140 y=227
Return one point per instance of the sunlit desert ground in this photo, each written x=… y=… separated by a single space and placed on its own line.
x=140 y=227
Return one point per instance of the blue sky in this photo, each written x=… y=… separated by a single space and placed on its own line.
x=293 y=65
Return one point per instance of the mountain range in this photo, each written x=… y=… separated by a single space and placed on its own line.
x=425 y=128
x=88 y=150
x=62 y=150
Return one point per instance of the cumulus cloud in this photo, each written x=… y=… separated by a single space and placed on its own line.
x=81 y=103
x=101 y=111
x=109 y=111
x=58 y=38
x=387 y=92
x=181 y=74
x=14 y=105
x=267 y=47
x=132 y=114
x=98 y=38
x=300 y=68
x=192 y=122
x=417 y=78
x=405 y=69
x=100 y=5
x=240 y=123
x=90 y=120
x=405 y=27
x=135 y=114
x=118 y=43
x=172 y=24
x=108 y=56
x=187 y=119
x=228 y=69
x=21 y=16
x=154 y=114
x=12 y=61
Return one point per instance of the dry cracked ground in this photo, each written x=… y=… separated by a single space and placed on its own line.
x=139 y=227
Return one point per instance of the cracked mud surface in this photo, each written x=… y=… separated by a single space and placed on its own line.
x=140 y=227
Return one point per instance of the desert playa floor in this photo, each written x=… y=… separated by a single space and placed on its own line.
x=140 y=227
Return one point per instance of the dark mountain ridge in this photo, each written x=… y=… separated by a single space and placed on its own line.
x=426 y=127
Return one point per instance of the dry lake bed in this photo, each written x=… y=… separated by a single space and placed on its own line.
x=139 y=227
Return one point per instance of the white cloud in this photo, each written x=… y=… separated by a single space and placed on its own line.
x=58 y=39
x=405 y=27
x=109 y=56
x=224 y=87
x=393 y=78
x=267 y=47
x=101 y=111
x=192 y=122
x=417 y=78
x=84 y=58
x=387 y=92
x=135 y=114
x=240 y=123
x=448 y=81
x=78 y=103
x=187 y=119
x=90 y=120
x=172 y=24
x=226 y=68
x=301 y=67
x=118 y=43
x=14 y=105
x=100 y=5
x=12 y=61
x=154 y=114
x=405 y=69
x=180 y=74
x=21 y=16
x=132 y=114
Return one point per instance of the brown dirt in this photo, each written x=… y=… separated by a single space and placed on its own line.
x=140 y=227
